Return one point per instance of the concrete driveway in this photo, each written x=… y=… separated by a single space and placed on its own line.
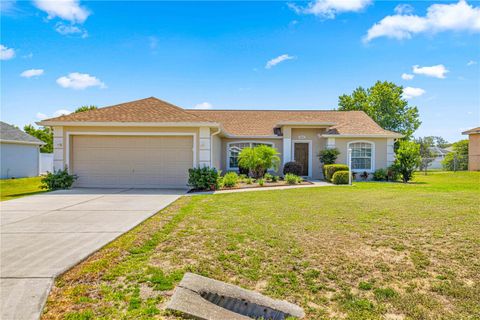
x=44 y=235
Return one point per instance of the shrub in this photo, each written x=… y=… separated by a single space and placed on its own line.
x=393 y=174
x=243 y=170
x=330 y=169
x=340 y=177
x=249 y=181
x=293 y=167
x=328 y=156
x=274 y=178
x=230 y=180
x=261 y=182
x=204 y=178
x=407 y=160
x=380 y=175
x=259 y=159
x=291 y=178
x=364 y=175
x=268 y=177
x=58 y=180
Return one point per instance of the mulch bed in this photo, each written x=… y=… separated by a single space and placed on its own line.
x=243 y=185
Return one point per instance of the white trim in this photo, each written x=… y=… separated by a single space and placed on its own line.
x=92 y=133
x=242 y=141
x=372 y=161
x=310 y=154
x=22 y=142
x=393 y=135
x=390 y=152
x=305 y=123
x=232 y=136
x=126 y=124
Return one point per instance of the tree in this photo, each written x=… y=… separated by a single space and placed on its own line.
x=85 y=108
x=440 y=142
x=259 y=159
x=407 y=160
x=426 y=154
x=43 y=133
x=458 y=158
x=384 y=104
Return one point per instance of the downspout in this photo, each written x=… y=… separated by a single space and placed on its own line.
x=211 y=144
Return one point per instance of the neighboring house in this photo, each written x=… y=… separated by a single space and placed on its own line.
x=440 y=154
x=19 y=153
x=473 y=148
x=151 y=143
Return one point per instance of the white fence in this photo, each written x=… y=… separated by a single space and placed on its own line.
x=46 y=162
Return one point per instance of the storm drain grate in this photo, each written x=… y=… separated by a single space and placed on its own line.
x=244 y=307
x=208 y=299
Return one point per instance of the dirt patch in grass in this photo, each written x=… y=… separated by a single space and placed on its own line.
x=373 y=251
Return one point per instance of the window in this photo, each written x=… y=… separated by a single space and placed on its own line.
x=362 y=156
x=234 y=148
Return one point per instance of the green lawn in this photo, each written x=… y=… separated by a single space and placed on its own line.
x=371 y=251
x=15 y=188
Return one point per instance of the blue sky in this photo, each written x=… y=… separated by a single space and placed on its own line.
x=60 y=55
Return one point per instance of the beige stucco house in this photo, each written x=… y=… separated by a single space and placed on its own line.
x=473 y=148
x=152 y=143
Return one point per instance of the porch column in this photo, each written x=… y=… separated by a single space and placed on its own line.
x=58 y=149
x=204 y=147
x=390 y=152
x=287 y=145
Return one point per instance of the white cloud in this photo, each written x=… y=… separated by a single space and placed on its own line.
x=273 y=62
x=410 y=92
x=328 y=9
x=79 y=81
x=437 y=71
x=65 y=29
x=41 y=116
x=203 y=106
x=6 y=53
x=403 y=8
x=459 y=16
x=61 y=112
x=32 y=73
x=407 y=76
x=69 y=10
x=471 y=63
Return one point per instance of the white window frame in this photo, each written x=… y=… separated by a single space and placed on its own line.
x=372 y=160
x=271 y=144
x=310 y=156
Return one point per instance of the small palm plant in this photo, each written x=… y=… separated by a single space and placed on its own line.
x=259 y=159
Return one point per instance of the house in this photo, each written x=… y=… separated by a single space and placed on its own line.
x=473 y=148
x=19 y=152
x=152 y=143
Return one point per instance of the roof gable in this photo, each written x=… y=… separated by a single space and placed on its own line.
x=13 y=134
x=144 y=110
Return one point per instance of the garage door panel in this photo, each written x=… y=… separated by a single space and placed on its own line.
x=132 y=161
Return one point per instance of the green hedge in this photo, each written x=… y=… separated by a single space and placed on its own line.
x=340 y=177
x=204 y=178
x=330 y=170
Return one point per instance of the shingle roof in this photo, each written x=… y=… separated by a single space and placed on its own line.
x=11 y=133
x=472 y=131
x=262 y=122
x=144 y=110
x=234 y=122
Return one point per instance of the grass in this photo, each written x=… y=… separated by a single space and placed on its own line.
x=15 y=188
x=371 y=251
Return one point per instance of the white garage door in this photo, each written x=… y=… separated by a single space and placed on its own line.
x=131 y=161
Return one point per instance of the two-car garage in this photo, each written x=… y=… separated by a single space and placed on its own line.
x=131 y=161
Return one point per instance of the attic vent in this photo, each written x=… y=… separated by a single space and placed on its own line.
x=278 y=131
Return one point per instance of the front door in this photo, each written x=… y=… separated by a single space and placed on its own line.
x=301 y=156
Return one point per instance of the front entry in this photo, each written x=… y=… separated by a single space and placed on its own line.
x=301 y=156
